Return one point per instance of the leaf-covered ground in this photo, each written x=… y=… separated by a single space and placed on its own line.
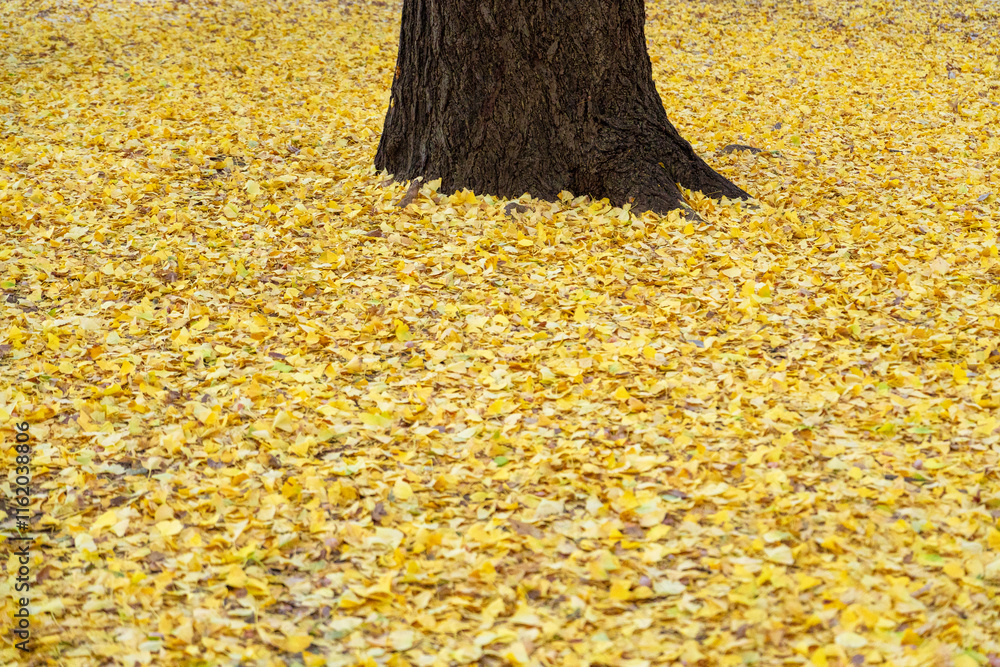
x=279 y=420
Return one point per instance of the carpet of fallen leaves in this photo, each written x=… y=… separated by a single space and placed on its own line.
x=280 y=420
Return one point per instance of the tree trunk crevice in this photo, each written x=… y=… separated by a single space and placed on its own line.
x=516 y=97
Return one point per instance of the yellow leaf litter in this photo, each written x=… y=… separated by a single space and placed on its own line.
x=278 y=420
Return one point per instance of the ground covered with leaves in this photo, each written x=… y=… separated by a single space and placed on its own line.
x=278 y=419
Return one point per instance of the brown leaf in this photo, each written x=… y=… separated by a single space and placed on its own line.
x=634 y=531
x=522 y=528
x=732 y=148
x=514 y=207
x=411 y=193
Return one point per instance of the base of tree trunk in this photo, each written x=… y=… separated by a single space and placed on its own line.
x=515 y=97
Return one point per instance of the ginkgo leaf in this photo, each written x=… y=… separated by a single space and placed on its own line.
x=297 y=643
x=376 y=419
x=547 y=508
x=851 y=640
x=169 y=528
x=402 y=490
x=106 y=520
x=284 y=421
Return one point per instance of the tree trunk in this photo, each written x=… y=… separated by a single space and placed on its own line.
x=505 y=97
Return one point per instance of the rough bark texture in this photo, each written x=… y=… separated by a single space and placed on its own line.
x=537 y=96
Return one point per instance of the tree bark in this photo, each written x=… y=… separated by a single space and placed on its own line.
x=536 y=96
